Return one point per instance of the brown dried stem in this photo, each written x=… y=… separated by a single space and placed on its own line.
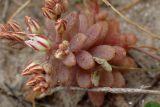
x=150 y=34
x=110 y=90
x=130 y=5
x=19 y=9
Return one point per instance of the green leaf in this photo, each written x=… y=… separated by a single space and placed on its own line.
x=78 y=1
x=152 y=104
x=103 y=63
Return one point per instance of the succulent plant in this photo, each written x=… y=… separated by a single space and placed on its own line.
x=80 y=48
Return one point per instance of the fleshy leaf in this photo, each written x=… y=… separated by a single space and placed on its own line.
x=97 y=98
x=85 y=60
x=103 y=51
x=103 y=63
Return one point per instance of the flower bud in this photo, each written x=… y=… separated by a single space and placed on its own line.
x=38 y=42
x=19 y=36
x=42 y=87
x=63 y=50
x=64 y=45
x=35 y=80
x=54 y=8
x=66 y=4
x=60 y=26
x=13 y=36
x=13 y=26
x=49 y=13
x=3 y=28
x=59 y=9
x=49 y=4
x=33 y=25
x=33 y=68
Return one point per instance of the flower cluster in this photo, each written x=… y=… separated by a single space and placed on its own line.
x=33 y=38
x=54 y=8
x=39 y=76
x=12 y=31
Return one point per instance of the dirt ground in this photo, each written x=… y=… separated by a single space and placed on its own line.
x=12 y=61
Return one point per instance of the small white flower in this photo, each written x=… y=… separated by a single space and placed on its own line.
x=38 y=42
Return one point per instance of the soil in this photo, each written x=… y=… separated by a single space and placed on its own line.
x=12 y=61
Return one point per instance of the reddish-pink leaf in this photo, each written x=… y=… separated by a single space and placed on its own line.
x=72 y=24
x=83 y=23
x=92 y=6
x=103 y=32
x=97 y=98
x=93 y=35
x=91 y=19
x=85 y=60
x=119 y=56
x=128 y=62
x=113 y=28
x=83 y=79
x=103 y=51
x=119 y=80
x=65 y=75
x=77 y=42
x=131 y=39
x=106 y=79
x=69 y=60
x=50 y=26
x=102 y=15
x=114 y=40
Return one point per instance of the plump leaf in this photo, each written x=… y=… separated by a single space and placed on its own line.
x=103 y=51
x=131 y=39
x=102 y=15
x=103 y=32
x=92 y=35
x=128 y=62
x=77 y=42
x=72 y=24
x=85 y=60
x=97 y=98
x=92 y=6
x=83 y=23
x=119 y=56
x=65 y=75
x=119 y=80
x=69 y=60
x=50 y=27
x=113 y=27
x=106 y=79
x=83 y=79
x=103 y=63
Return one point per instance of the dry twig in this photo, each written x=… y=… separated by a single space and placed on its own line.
x=150 y=34
x=19 y=9
x=5 y=10
x=153 y=84
x=110 y=90
x=130 y=5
